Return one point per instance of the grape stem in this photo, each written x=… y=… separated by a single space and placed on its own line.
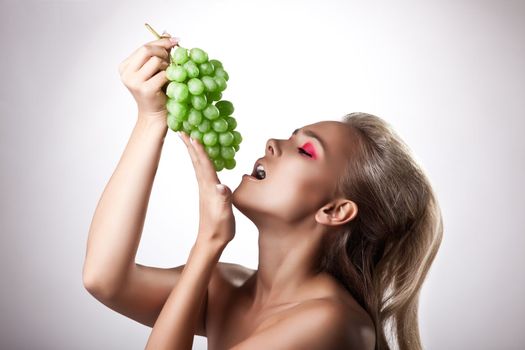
x=157 y=35
x=154 y=32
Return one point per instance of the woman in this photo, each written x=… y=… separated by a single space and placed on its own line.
x=348 y=228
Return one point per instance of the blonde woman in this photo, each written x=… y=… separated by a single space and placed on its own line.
x=348 y=228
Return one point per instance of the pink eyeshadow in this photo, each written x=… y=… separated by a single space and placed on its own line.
x=308 y=147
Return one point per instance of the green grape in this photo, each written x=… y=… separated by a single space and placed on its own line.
x=227 y=152
x=179 y=117
x=213 y=151
x=170 y=88
x=221 y=83
x=191 y=69
x=225 y=107
x=229 y=163
x=216 y=64
x=195 y=86
x=194 y=117
x=170 y=75
x=186 y=127
x=237 y=137
x=226 y=138
x=198 y=55
x=173 y=123
x=194 y=104
x=196 y=135
x=214 y=96
x=218 y=164
x=232 y=122
x=180 y=55
x=220 y=72
x=219 y=125
x=176 y=73
x=210 y=138
x=178 y=109
x=211 y=112
x=178 y=91
x=209 y=83
x=199 y=102
x=169 y=72
x=206 y=68
x=204 y=126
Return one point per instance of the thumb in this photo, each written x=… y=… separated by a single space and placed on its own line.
x=224 y=191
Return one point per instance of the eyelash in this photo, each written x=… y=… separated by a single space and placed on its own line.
x=301 y=150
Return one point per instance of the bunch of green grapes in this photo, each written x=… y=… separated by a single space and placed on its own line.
x=194 y=104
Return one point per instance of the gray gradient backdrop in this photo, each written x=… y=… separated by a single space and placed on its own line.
x=448 y=75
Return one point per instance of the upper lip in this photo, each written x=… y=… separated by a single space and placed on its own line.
x=263 y=163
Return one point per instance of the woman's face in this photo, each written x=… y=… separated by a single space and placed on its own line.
x=301 y=174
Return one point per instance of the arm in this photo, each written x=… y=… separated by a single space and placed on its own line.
x=116 y=227
x=117 y=224
x=176 y=325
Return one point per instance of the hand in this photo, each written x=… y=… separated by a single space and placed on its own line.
x=144 y=74
x=216 y=220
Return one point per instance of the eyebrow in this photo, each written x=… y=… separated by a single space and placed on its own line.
x=312 y=134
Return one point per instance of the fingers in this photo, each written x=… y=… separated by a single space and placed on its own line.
x=144 y=53
x=185 y=138
x=204 y=169
x=157 y=81
x=158 y=48
x=151 y=67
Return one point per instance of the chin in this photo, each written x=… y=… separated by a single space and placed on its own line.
x=239 y=201
x=246 y=203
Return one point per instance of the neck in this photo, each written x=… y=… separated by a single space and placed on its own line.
x=288 y=258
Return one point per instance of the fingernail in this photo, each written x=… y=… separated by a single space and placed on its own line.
x=174 y=40
x=191 y=140
x=179 y=134
x=221 y=188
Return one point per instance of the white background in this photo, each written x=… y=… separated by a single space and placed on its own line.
x=449 y=76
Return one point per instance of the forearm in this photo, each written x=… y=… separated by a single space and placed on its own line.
x=175 y=327
x=116 y=227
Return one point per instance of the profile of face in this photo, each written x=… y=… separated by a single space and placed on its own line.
x=301 y=175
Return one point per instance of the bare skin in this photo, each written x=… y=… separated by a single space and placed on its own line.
x=283 y=304
x=293 y=207
x=232 y=320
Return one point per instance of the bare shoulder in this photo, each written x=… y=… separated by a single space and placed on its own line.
x=340 y=320
x=234 y=274
x=323 y=323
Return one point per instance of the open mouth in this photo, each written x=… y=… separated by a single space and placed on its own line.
x=258 y=171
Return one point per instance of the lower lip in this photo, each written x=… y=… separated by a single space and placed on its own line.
x=249 y=177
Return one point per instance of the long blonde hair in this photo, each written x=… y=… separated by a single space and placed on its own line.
x=383 y=255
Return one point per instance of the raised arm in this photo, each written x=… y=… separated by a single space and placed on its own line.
x=178 y=321
x=116 y=227
x=117 y=224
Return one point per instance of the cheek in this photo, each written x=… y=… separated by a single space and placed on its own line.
x=297 y=195
x=292 y=192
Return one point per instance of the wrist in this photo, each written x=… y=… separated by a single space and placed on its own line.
x=153 y=125
x=210 y=245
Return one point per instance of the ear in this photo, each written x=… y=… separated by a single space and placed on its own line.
x=337 y=212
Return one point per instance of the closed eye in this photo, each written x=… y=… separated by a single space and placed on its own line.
x=301 y=150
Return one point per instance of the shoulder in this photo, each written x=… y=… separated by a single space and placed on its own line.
x=338 y=323
x=233 y=274
x=227 y=279
x=323 y=323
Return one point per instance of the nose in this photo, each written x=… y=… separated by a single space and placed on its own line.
x=272 y=149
